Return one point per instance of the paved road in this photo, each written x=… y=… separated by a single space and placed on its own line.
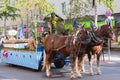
x=110 y=71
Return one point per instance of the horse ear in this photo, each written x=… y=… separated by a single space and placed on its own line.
x=83 y=26
x=88 y=32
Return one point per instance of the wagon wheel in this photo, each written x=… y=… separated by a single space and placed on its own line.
x=59 y=63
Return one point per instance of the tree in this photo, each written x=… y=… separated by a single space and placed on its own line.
x=78 y=8
x=37 y=7
x=34 y=11
x=7 y=11
x=107 y=3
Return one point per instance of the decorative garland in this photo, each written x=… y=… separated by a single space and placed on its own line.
x=53 y=20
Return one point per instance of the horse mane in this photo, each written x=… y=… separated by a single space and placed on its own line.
x=98 y=29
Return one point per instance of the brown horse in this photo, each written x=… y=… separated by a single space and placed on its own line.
x=64 y=45
x=105 y=31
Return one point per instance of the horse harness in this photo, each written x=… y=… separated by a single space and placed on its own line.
x=61 y=47
x=68 y=42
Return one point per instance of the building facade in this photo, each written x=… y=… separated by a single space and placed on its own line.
x=63 y=5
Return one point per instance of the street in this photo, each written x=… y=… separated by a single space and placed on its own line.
x=110 y=71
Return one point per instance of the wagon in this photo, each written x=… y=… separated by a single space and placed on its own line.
x=28 y=59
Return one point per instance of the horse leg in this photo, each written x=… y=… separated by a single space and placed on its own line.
x=83 y=62
x=44 y=60
x=78 y=67
x=98 y=64
x=48 y=61
x=72 y=61
x=90 y=63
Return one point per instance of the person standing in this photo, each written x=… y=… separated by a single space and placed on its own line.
x=75 y=24
x=108 y=20
x=1 y=43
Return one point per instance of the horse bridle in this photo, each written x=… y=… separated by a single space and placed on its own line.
x=109 y=30
x=78 y=39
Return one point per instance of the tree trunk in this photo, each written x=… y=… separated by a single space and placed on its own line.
x=95 y=12
x=5 y=27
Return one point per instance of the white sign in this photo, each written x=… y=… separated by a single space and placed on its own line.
x=12 y=32
x=110 y=17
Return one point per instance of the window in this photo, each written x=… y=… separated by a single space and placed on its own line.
x=63 y=7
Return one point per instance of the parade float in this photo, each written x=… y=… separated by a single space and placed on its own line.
x=27 y=53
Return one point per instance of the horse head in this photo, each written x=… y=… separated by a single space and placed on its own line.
x=106 y=31
x=82 y=34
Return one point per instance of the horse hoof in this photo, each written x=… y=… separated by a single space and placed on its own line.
x=91 y=74
x=71 y=78
x=79 y=76
x=99 y=73
x=83 y=71
x=48 y=76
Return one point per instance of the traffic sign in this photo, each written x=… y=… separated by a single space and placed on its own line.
x=108 y=13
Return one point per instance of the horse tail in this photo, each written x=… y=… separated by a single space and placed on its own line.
x=44 y=61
